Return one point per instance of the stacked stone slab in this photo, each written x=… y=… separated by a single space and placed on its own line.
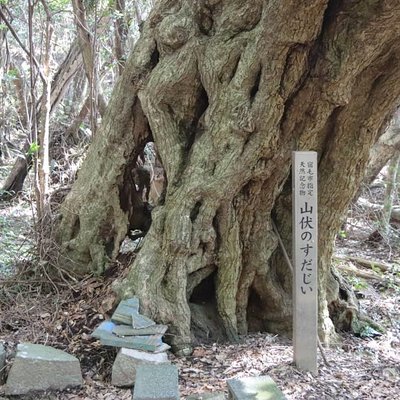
x=38 y=368
x=129 y=329
x=139 y=338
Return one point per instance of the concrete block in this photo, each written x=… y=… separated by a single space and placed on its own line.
x=260 y=387
x=37 y=368
x=156 y=382
x=128 y=360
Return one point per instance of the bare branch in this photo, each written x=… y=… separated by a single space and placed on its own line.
x=4 y=18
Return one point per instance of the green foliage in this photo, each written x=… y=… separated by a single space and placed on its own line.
x=357 y=283
x=376 y=269
x=342 y=234
x=3 y=27
x=12 y=73
x=3 y=2
x=58 y=5
x=33 y=148
x=90 y=4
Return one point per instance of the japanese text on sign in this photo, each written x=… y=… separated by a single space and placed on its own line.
x=305 y=240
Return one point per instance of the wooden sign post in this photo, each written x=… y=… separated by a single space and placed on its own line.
x=305 y=262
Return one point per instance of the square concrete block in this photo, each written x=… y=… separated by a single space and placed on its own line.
x=128 y=360
x=37 y=368
x=250 y=388
x=156 y=382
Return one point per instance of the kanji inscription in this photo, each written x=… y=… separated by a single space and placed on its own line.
x=305 y=262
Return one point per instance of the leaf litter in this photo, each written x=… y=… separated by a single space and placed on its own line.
x=63 y=314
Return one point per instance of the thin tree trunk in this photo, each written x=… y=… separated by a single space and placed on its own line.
x=120 y=34
x=19 y=84
x=86 y=42
x=67 y=70
x=77 y=122
x=34 y=117
x=44 y=133
x=391 y=190
x=3 y=63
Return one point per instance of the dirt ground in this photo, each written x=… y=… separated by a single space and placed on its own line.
x=43 y=307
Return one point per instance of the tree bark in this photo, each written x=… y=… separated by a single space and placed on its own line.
x=72 y=63
x=87 y=46
x=384 y=149
x=227 y=89
x=120 y=34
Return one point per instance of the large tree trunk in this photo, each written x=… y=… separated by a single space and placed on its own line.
x=228 y=89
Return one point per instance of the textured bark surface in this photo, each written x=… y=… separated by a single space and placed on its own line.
x=383 y=150
x=227 y=89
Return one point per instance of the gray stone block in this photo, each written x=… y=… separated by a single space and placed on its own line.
x=146 y=343
x=156 y=382
x=207 y=396
x=163 y=347
x=104 y=329
x=2 y=363
x=37 y=367
x=128 y=360
x=153 y=343
x=124 y=311
x=260 y=387
x=123 y=330
x=141 y=321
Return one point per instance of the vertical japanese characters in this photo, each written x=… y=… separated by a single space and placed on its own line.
x=305 y=262
x=307 y=223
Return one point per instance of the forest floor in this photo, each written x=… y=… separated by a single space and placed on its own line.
x=39 y=307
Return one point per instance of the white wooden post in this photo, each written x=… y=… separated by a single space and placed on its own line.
x=305 y=261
